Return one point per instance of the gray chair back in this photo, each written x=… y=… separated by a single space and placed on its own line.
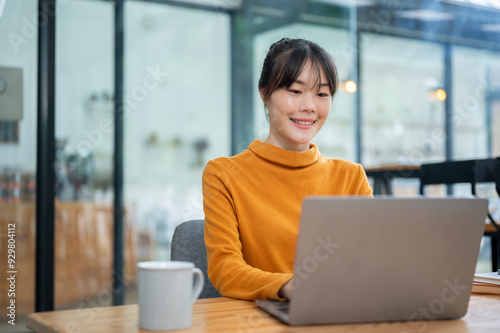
x=188 y=244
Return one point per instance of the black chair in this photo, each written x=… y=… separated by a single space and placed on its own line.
x=188 y=244
x=472 y=172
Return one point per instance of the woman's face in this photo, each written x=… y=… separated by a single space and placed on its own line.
x=298 y=112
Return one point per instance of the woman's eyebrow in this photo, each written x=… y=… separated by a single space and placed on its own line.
x=325 y=84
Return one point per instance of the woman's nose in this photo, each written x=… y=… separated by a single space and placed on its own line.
x=307 y=103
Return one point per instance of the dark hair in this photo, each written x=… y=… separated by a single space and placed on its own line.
x=284 y=63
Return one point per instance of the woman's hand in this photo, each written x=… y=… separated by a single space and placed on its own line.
x=286 y=290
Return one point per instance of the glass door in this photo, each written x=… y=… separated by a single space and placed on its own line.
x=177 y=115
x=18 y=123
x=84 y=128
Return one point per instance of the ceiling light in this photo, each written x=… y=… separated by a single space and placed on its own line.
x=488 y=4
x=227 y=4
x=349 y=3
x=426 y=15
x=491 y=27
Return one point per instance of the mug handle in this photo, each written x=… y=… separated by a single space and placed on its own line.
x=198 y=284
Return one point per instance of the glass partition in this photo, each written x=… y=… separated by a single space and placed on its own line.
x=403 y=118
x=177 y=114
x=84 y=151
x=476 y=80
x=476 y=88
x=18 y=123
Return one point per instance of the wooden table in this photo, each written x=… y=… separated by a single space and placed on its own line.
x=228 y=315
x=383 y=175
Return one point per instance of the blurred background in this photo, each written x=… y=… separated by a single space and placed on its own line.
x=420 y=82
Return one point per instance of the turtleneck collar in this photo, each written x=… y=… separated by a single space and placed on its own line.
x=285 y=157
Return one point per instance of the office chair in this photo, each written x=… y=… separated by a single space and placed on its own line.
x=472 y=172
x=188 y=244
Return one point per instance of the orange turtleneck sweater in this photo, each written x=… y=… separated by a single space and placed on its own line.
x=252 y=203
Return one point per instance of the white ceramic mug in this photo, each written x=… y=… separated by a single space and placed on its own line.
x=166 y=294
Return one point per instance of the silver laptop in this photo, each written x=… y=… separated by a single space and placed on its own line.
x=383 y=259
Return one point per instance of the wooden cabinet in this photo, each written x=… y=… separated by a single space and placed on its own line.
x=83 y=253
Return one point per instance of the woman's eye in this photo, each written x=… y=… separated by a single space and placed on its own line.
x=323 y=95
x=294 y=91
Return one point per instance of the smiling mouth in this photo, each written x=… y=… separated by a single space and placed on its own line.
x=302 y=122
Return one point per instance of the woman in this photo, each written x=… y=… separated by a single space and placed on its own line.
x=252 y=201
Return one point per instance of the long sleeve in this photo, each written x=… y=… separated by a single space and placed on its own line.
x=364 y=188
x=227 y=269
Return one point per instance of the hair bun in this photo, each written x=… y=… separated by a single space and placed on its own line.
x=282 y=43
x=283 y=40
